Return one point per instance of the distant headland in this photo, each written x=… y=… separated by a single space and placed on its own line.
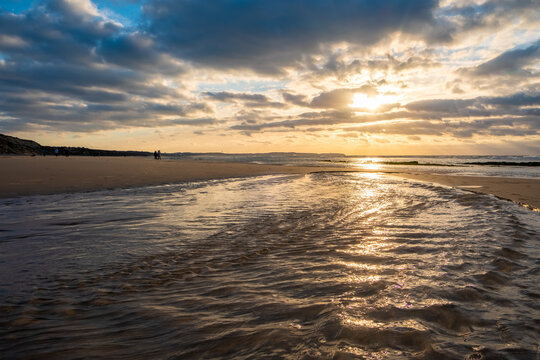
x=10 y=145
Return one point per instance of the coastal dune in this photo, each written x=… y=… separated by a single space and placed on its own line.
x=24 y=175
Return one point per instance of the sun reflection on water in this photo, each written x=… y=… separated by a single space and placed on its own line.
x=370 y=247
x=369 y=164
x=360 y=266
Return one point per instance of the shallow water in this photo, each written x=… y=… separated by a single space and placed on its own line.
x=463 y=165
x=318 y=266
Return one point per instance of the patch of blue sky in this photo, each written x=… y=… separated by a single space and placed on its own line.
x=465 y=10
x=127 y=12
x=463 y=55
x=255 y=86
x=3 y=58
x=16 y=6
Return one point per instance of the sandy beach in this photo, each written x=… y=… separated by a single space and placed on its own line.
x=262 y=266
x=23 y=175
x=523 y=191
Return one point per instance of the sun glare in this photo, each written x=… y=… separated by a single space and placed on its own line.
x=364 y=102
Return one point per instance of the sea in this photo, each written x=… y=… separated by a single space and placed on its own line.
x=338 y=265
x=522 y=166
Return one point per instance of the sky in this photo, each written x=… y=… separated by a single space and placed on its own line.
x=363 y=77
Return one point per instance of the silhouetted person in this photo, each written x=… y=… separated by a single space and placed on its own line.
x=159 y=155
x=155 y=155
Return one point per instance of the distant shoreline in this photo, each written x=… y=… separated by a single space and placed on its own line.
x=27 y=175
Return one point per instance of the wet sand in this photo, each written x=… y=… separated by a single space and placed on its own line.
x=24 y=175
x=523 y=191
x=37 y=175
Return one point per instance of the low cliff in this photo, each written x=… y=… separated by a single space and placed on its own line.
x=10 y=145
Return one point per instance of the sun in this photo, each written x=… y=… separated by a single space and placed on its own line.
x=365 y=102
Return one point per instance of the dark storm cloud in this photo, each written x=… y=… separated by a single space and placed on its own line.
x=512 y=62
x=266 y=35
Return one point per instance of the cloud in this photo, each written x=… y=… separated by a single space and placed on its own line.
x=81 y=9
x=514 y=100
x=249 y=100
x=341 y=98
x=468 y=17
x=480 y=106
x=461 y=118
x=138 y=52
x=305 y=119
x=67 y=67
x=512 y=62
x=441 y=106
x=194 y=122
x=50 y=36
x=266 y=36
x=333 y=99
x=296 y=99
x=340 y=65
x=321 y=118
x=47 y=113
x=458 y=129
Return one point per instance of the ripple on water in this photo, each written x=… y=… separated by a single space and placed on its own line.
x=319 y=266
